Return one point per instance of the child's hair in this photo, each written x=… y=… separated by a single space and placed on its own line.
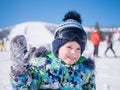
x=69 y=30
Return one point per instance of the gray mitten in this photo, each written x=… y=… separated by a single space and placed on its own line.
x=19 y=55
x=42 y=50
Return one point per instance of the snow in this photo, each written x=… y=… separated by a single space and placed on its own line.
x=107 y=73
x=107 y=68
x=4 y=70
x=36 y=32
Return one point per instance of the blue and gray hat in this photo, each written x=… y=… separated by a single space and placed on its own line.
x=69 y=30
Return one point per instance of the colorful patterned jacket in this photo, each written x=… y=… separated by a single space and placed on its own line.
x=49 y=73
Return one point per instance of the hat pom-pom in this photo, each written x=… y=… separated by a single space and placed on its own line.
x=73 y=15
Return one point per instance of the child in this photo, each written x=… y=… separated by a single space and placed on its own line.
x=63 y=68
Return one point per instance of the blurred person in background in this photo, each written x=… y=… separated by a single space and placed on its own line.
x=95 y=38
x=109 y=46
x=1 y=45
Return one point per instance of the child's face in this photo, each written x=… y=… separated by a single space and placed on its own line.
x=70 y=52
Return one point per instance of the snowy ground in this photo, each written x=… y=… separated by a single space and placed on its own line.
x=107 y=70
x=4 y=71
x=108 y=74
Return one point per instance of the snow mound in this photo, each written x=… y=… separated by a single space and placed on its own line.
x=36 y=33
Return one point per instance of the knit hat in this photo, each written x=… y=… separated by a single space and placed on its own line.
x=70 y=23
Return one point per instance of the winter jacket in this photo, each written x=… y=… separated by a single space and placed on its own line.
x=95 y=38
x=49 y=72
x=109 y=43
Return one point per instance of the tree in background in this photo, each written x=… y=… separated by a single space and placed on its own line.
x=97 y=27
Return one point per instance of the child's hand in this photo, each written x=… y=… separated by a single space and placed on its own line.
x=41 y=51
x=18 y=48
x=19 y=55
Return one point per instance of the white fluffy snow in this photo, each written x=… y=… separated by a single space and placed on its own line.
x=36 y=33
x=107 y=69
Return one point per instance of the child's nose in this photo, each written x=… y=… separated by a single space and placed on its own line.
x=73 y=51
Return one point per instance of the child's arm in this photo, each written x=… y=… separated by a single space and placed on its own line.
x=23 y=75
x=90 y=85
x=19 y=62
x=90 y=78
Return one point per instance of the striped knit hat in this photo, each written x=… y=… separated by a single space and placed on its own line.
x=70 y=23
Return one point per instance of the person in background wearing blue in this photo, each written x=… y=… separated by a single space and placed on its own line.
x=109 y=46
x=62 y=68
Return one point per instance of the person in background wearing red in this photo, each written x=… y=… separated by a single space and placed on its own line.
x=95 y=38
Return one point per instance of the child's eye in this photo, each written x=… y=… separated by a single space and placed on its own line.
x=69 y=47
x=78 y=48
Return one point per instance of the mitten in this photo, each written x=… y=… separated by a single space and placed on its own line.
x=19 y=55
x=42 y=50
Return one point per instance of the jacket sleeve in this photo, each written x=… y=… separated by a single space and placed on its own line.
x=90 y=78
x=19 y=57
x=90 y=85
x=27 y=81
